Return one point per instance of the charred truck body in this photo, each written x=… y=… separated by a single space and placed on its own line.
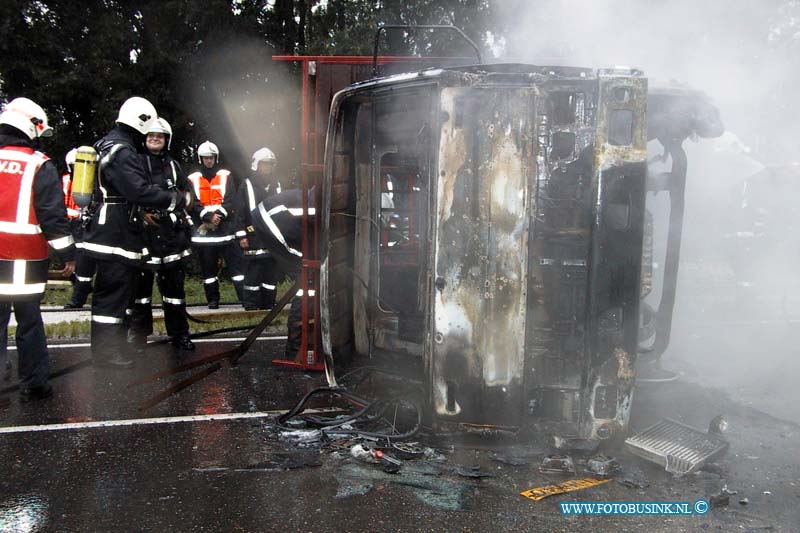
x=485 y=225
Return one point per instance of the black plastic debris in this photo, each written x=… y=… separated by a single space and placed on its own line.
x=633 y=478
x=473 y=471
x=718 y=425
x=602 y=466
x=389 y=463
x=719 y=500
x=557 y=464
x=722 y=498
x=407 y=450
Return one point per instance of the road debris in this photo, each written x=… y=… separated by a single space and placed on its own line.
x=633 y=478
x=722 y=498
x=602 y=466
x=572 y=485
x=473 y=471
x=429 y=486
x=508 y=459
x=557 y=464
x=363 y=454
x=679 y=448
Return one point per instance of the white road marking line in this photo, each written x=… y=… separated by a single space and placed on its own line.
x=223 y=339
x=149 y=421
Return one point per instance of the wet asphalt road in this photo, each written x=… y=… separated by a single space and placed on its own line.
x=231 y=475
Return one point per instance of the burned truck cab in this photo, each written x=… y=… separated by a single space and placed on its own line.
x=482 y=227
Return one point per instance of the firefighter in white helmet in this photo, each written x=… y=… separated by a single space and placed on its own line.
x=167 y=239
x=84 y=265
x=260 y=270
x=114 y=235
x=32 y=216
x=215 y=189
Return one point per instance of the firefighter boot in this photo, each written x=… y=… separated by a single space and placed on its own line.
x=137 y=344
x=183 y=342
x=80 y=292
x=211 y=287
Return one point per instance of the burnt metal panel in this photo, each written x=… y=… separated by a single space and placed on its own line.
x=560 y=252
x=620 y=159
x=479 y=301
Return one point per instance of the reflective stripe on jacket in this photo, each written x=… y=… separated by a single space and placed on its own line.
x=23 y=246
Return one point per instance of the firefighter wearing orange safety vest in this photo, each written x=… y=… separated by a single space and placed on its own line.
x=32 y=216
x=214 y=237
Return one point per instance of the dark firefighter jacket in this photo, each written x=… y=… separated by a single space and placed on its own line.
x=114 y=232
x=251 y=192
x=278 y=222
x=169 y=241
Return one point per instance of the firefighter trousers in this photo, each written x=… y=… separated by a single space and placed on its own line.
x=82 y=279
x=34 y=360
x=209 y=266
x=294 y=325
x=114 y=287
x=170 y=280
x=259 y=282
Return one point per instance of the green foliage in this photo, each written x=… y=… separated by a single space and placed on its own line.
x=205 y=65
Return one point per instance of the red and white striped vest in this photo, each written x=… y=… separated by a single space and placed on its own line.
x=20 y=234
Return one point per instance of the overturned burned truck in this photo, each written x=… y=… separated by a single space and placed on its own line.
x=482 y=227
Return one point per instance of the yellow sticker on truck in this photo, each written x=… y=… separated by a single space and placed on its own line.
x=560 y=488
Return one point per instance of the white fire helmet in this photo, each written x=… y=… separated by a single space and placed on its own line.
x=207 y=149
x=70 y=158
x=262 y=154
x=27 y=117
x=137 y=113
x=160 y=125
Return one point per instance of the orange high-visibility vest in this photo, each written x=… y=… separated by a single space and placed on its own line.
x=21 y=236
x=73 y=210
x=211 y=192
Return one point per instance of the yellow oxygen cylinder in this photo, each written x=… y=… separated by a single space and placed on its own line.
x=83 y=175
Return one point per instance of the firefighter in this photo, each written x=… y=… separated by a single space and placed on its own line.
x=214 y=236
x=260 y=269
x=32 y=215
x=114 y=235
x=167 y=239
x=84 y=265
x=277 y=221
